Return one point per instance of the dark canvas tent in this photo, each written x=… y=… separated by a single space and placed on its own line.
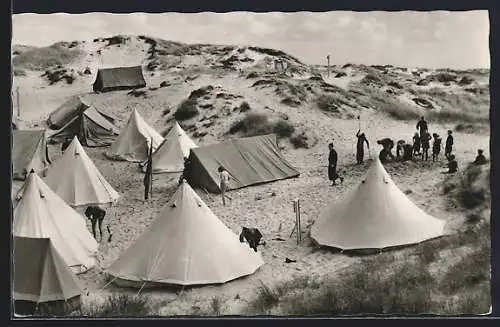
x=91 y=128
x=249 y=161
x=120 y=78
x=70 y=109
x=42 y=281
x=29 y=151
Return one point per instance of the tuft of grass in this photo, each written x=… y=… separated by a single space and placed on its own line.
x=46 y=57
x=244 y=107
x=187 y=109
x=283 y=128
x=252 y=75
x=118 y=305
x=201 y=92
x=300 y=141
x=267 y=298
x=216 y=306
x=252 y=124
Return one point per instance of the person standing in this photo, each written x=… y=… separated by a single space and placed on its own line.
x=360 y=148
x=449 y=144
x=224 y=183
x=332 y=165
x=425 y=141
x=436 y=147
x=416 y=144
x=422 y=126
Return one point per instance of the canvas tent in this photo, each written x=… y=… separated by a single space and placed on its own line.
x=185 y=245
x=70 y=109
x=249 y=161
x=29 y=151
x=40 y=213
x=76 y=180
x=119 y=78
x=134 y=140
x=91 y=128
x=169 y=157
x=42 y=278
x=376 y=214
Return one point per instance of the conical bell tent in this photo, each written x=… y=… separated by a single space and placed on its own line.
x=134 y=140
x=185 y=245
x=376 y=214
x=40 y=213
x=42 y=278
x=169 y=157
x=76 y=179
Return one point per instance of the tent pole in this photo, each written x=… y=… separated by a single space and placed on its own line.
x=18 y=102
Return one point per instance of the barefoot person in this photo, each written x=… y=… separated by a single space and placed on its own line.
x=224 y=183
x=96 y=217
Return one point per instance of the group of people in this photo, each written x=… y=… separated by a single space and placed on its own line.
x=404 y=151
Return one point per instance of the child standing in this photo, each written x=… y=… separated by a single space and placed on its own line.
x=224 y=183
x=449 y=144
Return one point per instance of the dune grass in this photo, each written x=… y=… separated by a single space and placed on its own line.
x=401 y=282
x=46 y=57
x=118 y=305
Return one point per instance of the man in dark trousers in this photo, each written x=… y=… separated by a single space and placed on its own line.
x=449 y=144
x=332 y=165
x=422 y=126
x=360 y=146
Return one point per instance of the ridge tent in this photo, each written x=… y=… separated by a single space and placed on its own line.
x=29 y=151
x=119 y=78
x=42 y=279
x=249 y=161
x=76 y=180
x=375 y=214
x=134 y=140
x=70 y=109
x=169 y=157
x=186 y=244
x=40 y=213
x=91 y=128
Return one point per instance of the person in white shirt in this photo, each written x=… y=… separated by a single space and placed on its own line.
x=224 y=183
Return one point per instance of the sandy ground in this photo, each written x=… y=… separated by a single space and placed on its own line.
x=273 y=216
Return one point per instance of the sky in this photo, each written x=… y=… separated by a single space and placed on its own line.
x=438 y=39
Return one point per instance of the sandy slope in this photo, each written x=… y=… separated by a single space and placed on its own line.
x=272 y=215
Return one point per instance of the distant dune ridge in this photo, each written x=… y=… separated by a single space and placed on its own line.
x=219 y=92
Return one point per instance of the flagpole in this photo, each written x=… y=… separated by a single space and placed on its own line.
x=151 y=170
